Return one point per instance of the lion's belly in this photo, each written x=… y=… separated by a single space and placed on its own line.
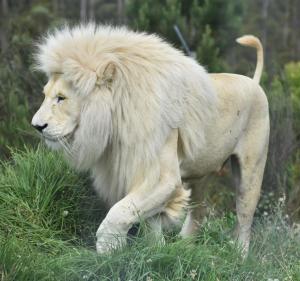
x=210 y=159
x=206 y=162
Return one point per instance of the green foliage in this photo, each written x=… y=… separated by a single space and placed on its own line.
x=223 y=18
x=14 y=117
x=20 y=87
x=14 y=122
x=292 y=71
x=48 y=218
x=282 y=140
x=157 y=17
x=208 y=52
x=293 y=195
x=276 y=24
x=39 y=197
x=208 y=26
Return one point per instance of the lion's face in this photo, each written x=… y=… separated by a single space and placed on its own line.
x=58 y=117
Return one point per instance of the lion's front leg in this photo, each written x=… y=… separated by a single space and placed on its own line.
x=144 y=201
x=112 y=232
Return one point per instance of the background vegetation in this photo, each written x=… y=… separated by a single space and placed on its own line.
x=48 y=217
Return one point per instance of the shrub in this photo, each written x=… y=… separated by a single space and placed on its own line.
x=20 y=87
x=292 y=72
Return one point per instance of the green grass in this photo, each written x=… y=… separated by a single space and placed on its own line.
x=49 y=215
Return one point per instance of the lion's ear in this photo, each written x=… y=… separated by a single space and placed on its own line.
x=83 y=78
x=106 y=72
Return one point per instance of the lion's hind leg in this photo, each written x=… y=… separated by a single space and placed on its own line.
x=196 y=211
x=248 y=165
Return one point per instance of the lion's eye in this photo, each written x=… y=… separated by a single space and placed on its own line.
x=60 y=98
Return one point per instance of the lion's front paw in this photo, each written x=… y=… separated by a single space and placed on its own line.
x=109 y=241
x=103 y=247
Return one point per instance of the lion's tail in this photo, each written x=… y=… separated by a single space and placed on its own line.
x=254 y=42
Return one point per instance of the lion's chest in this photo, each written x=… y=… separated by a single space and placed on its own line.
x=108 y=186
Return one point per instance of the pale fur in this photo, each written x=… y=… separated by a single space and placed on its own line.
x=252 y=41
x=148 y=115
x=149 y=73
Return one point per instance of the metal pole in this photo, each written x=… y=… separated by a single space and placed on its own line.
x=184 y=44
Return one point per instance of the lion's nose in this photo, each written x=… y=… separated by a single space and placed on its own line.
x=40 y=128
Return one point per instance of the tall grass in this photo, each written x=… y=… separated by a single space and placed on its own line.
x=49 y=214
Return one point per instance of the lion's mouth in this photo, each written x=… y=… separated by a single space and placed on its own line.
x=49 y=138
x=67 y=137
x=64 y=140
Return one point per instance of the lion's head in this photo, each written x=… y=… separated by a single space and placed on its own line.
x=58 y=117
x=74 y=120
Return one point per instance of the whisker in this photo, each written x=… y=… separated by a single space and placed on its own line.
x=55 y=133
x=66 y=146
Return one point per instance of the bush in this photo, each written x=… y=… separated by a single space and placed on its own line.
x=20 y=87
x=282 y=140
x=292 y=72
x=42 y=198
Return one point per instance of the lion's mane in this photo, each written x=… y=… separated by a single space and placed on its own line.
x=137 y=88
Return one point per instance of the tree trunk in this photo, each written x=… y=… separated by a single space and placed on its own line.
x=295 y=28
x=83 y=10
x=265 y=12
x=286 y=26
x=3 y=35
x=92 y=10
x=55 y=5
x=120 y=9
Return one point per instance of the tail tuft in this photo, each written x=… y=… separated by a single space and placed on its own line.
x=254 y=42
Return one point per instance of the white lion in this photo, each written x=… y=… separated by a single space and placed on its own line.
x=141 y=117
